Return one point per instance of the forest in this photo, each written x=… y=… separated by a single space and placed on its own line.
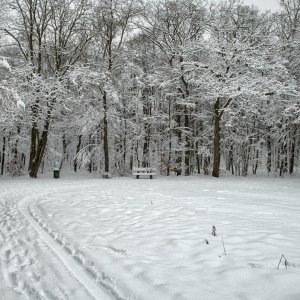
x=185 y=86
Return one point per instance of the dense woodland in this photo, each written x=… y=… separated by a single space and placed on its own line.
x=186 y=86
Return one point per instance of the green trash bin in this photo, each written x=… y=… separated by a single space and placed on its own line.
x=56 y=173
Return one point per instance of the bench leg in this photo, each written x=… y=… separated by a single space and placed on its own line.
x=137 y=176
x=151 y=176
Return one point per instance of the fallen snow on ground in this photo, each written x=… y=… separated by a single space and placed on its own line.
x=28 y=267
x=147 y=239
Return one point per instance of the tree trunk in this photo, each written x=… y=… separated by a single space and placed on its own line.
x=3 y=155
x=256 y=162
x=179 y=136
x=41 y=147
x=187 y=143
x=33 y=144
x=15 y=149
x=124 y=143
x=146 y=158
x=64 y=144
x=217 y=151
x=91 y=161
x=230 y=166
x=105 y=135
x=205 y=165
x=170 y=140
x=77 y=151
x=39 y=154
x=292 y=152
x=269 y=149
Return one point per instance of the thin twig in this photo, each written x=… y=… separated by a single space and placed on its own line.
x=285 y=262
x=213 y=232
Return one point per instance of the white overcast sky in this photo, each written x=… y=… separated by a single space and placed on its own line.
x=272 y=5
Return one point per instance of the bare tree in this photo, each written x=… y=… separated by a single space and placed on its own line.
x=112 y=22
x=174 y=27
x=52 y=36
x=237 y=32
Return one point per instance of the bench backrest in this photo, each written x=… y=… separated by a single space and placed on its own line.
x=144 y=170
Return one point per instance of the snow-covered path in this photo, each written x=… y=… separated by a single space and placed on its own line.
x=32 y=265
x=65 y=258
x=28 y=264
x=146 y=239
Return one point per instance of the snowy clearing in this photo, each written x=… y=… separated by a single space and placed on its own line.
x=147 y=239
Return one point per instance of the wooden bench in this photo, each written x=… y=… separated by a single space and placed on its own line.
x=143 y=172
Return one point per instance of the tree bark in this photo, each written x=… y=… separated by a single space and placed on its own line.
x=187 y=143
x=170 y=137
x=40 y=154
x=292 y=152
x=217 y=151
x=42 y=143
x=64 y=144
x=269 y=149
x=77 y=151
x=3 y=155
x=105 y=135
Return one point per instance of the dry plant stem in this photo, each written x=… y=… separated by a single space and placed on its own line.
x=285 y=261
x=213 y=232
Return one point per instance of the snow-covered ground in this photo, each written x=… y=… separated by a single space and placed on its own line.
x=122 y=238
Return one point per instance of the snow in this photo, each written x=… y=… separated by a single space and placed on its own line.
x=146 y=239
x=4 y=64
x=19 y=102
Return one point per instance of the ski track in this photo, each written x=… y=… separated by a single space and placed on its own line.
x=16 y=257
x=19 y=264
x=21 y=270
x=63 y=253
